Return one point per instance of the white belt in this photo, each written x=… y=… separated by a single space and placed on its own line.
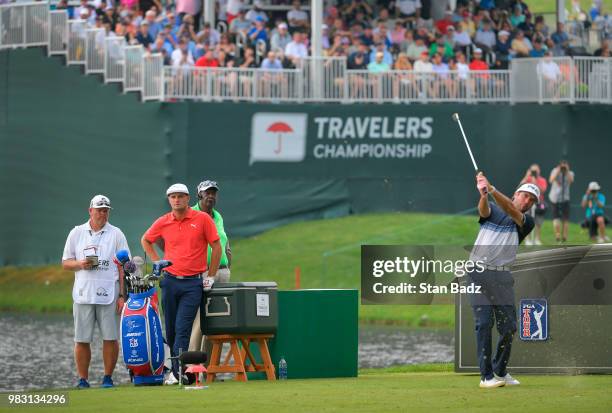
x=498 y=267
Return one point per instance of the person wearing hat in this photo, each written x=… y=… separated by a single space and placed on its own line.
x=186 y=235
x=594 y=202
x=503 y=226
x=144 y=37
x=208 y=192
x=280 y=37
x=98 y=291
x=560 y=180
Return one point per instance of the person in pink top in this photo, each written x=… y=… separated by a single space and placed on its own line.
x=191 y=7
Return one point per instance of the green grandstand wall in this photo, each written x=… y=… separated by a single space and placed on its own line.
x=65 y=137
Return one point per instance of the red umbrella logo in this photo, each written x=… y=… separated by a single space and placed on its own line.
x=279 y=128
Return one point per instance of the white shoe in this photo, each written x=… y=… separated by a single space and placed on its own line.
x=538 y=242
x=510 y=381
x=528 y=241
x=600 y=240
x=170 y=380
x=491 y=383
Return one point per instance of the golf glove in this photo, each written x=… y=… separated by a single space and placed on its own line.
x=208 y=283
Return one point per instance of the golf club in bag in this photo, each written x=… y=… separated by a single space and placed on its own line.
x=141 y=335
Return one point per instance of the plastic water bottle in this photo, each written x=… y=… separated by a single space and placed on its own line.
x=282 y=369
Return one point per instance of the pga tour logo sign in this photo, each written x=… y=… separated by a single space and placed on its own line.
x=278 y=137
x=534 y=319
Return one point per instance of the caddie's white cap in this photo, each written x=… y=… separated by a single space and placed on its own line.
x=594 y=186
x=100 y=201
x=177 y=189
x=530 y=188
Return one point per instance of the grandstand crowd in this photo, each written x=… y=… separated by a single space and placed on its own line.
x=373 y=35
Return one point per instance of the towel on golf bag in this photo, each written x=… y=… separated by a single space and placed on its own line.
x=142 y=341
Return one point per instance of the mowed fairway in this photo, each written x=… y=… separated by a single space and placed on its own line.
x=370 y=392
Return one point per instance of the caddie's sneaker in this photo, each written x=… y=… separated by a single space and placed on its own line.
x=83 y=384
x=491 y=383
x=171 y=379
x=107 y=382
x=510 y=381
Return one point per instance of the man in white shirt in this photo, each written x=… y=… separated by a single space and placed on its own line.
x=181 y=56
x=256 y=12
x=296 y=49
x=98 y=287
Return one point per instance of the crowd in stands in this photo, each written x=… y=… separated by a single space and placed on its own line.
x=373 y=35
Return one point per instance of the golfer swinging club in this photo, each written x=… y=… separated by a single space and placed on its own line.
x=503 y=226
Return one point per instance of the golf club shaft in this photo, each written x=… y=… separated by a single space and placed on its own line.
x=467 y=144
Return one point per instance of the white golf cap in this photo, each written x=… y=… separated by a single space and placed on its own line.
x=100 y=201
x=530 y=188
x=594 y=186
x=177 y=189
x=477 y=50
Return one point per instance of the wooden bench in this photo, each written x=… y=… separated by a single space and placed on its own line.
x=244 y=361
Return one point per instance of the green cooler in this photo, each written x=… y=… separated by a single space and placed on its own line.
x=240 y=308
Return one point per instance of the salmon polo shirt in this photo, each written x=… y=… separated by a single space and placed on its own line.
x=185 y=241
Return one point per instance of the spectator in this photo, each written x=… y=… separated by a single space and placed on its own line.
x=256 y=12
x=362 y=51
x=383 y=34
x=540 y=27
x=324 y=38
x=485 y=37
x=560 y=39
x=416 y=49
x=461 y=38
x=258 y=32
x=503 y=47
x=441 y=46
x=380 y=48
x=226 y=46
x=154 y=26
x=477 y=64
x=182 y=56
x=191 y=8
x=517 y=17
x=538 y=49
x=409 y=10
x=378 y=65
x=296 y=49
x=604 y=50
x=187 y=28
x=533 y=176
x=521 y=45
x=561 y=178
x=442 y=84
x=383 y=17
x=398 y=34
x=527 y=27
x=160 y=46
x=297 y=18
x=367 y=37
x=281 y=37
x=208 y=60
x=357 y=61
x=356 y=8
x=233 y=10
x=594 y=202
x=423 y=69
x=170 y=40
x=467 y=24
x=248 y=61
x=143 y=37
x=240 y=24
x=209 y=36
x=443 y=25
x=271 y=62
x=82 y=10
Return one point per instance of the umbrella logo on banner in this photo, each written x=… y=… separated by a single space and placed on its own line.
x=278 y=137
x=279 y=128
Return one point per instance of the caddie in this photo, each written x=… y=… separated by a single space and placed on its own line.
x=98 y=291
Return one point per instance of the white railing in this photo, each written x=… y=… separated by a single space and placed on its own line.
x=133 y=80
x=94 y=50
x=565 y=79
x=24 y=25
x=58 y=33
x=76 y=42
x=114 y=60
x=153 y=88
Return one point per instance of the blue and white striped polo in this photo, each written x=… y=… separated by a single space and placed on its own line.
x=499 y=237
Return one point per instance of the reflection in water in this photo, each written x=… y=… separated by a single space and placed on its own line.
x=384 y=346
x=36 y=351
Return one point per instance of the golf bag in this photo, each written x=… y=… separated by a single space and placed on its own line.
x=141 y=338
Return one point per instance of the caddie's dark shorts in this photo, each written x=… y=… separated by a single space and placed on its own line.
x=561 y=210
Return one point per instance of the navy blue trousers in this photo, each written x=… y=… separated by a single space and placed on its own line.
x=180 y=300
x=495 y=304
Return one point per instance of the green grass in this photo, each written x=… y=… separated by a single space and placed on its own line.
x=550 y=6
x=326 y=251
x=371 y=392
